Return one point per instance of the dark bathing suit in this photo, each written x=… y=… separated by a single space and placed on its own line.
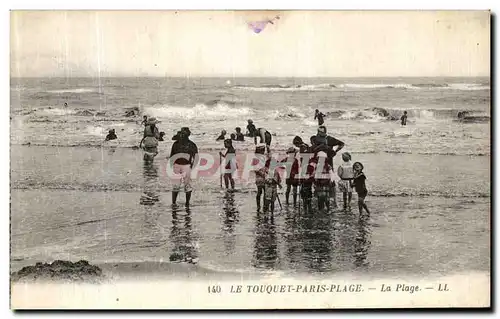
x=240 y=137
x=320 y=116
x=360 y=185
x=184 y=147
x=252 y=131
x=111 y=136
x=267 y=136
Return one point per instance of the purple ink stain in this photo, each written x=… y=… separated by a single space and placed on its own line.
x=258 y=26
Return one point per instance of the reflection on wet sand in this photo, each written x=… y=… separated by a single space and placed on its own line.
x=290 y=237
x=230 y=220
x=150 y=173
x=154 y=236
x=319 y=241
x=310 y=245
x=313 y=241
x=362 y=242
x=182 y=237
x=265 y=254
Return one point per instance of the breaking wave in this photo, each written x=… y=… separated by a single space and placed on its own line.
x=289 y=112
x=200 y=111
x=62 y=112
x=79 y=90
x=56 y=111
x=96 y=130
x=387 y=114
x=366 y=86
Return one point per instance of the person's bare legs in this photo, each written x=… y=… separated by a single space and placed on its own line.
x=365 y=207
x=361 y=205
x=287 y=193
x=259 y=193
x=174 y=197
x=294 y=195
x=333 y=194
x=273 y=199
x=188 y=198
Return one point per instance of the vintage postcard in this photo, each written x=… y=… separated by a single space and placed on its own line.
x=250 y=159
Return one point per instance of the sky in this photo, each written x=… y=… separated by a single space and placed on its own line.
x=221 y=43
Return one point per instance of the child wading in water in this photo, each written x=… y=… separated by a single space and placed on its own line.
x=360 y=186
x=272 y=182
x=260 y=174
x=346 y=174
x=229 y=158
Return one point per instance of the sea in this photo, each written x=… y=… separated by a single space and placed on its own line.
x=74 y=196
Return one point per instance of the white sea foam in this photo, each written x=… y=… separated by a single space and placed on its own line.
x=96 y=130
x=200 y=111
x=56 y=111
x=467 y=87
x=79 y=90
x=377 y=86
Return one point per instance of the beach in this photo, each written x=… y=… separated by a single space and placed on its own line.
x=74 y=197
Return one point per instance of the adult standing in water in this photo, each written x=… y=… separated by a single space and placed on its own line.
x=186 y=151
x=251 y=129
x=265 y=137
x=326 y=143
x=144 y=120
x=403 y=118
x=150 y=139
x=230 y=158
x=319 y=116
x=323 y=138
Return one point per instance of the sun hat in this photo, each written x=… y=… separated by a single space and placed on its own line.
x=186 y=130
x=151 y=121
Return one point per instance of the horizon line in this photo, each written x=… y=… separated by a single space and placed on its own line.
x=262 y=77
